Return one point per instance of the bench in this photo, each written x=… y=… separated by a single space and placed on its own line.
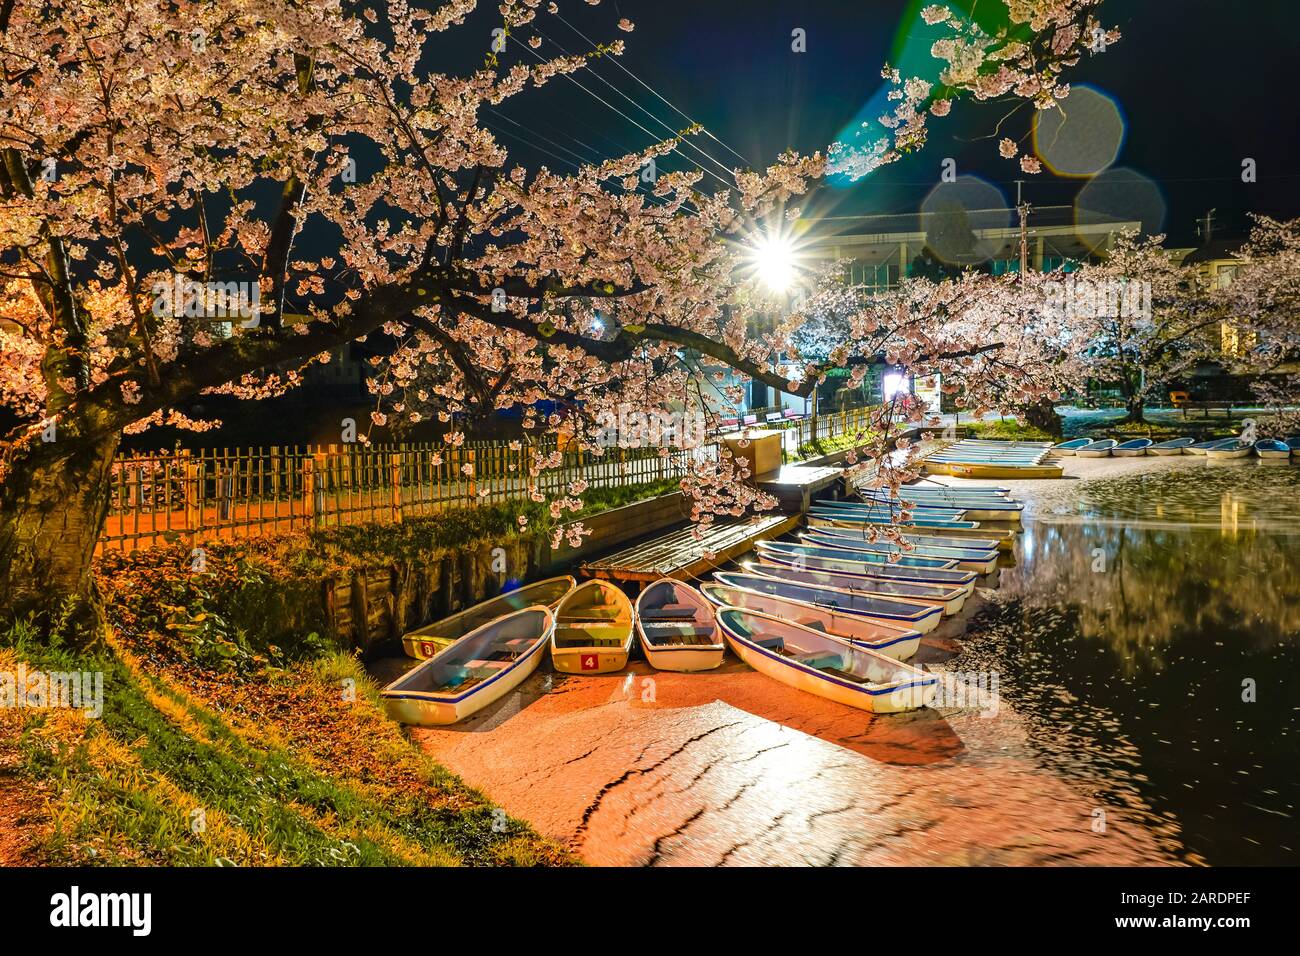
x=591 y=635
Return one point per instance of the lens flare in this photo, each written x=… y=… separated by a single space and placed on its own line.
x=1082 y=136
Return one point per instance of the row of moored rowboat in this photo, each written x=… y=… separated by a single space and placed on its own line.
x=834 y=613
x=1218 y=448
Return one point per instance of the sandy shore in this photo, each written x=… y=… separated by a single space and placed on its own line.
x=730 y=767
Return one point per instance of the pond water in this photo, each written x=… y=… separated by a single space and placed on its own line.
x=1144 y=599
x=1147 y=637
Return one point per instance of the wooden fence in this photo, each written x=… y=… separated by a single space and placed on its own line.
x=226 y=494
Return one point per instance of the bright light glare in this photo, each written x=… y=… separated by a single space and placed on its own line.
x=893 y=383
x=774 y=263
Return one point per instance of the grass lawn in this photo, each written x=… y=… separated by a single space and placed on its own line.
x=293 y=765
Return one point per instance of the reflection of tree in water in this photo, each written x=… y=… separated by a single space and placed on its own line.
x=1159 y=585
x=1130 y=677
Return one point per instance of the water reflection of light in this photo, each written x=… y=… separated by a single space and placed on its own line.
x=1229 y=509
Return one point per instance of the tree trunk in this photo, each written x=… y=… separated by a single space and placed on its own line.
x=1136 y=406
x=1042 y=414
x=53 y=501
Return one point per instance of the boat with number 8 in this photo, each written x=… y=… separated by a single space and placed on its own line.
x=423 y=642
x=475 y=671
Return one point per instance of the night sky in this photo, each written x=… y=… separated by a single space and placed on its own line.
x=1200 y=84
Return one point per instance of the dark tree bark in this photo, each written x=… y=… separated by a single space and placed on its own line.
x=1042 y=414
x=53 y=503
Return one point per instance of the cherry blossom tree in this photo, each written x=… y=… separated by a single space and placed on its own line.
x=1142 y=320
x=172 y=171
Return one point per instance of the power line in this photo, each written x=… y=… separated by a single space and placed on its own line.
x=683 y=115
x=652 y=116
x=653 y=135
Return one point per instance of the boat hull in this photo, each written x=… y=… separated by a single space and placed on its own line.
x=1099 y=453
x=1004 y=471
x=1220 y=454
x=879 y=636
x=980 y=563
x=910 y=697
x=1128 y=453
x=1005 y=538
x=1167 y=451
x=589 y=660
x=425 y=709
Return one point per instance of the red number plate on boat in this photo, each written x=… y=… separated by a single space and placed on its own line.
x=590 y=662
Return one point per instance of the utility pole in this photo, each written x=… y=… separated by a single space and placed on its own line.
x=1023 y=209
x=1207 y=229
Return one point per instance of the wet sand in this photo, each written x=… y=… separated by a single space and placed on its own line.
x=729 y=767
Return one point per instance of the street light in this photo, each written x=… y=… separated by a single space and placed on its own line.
x=774 y=262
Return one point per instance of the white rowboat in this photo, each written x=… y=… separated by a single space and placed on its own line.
x=593 y=630
x=893 y=641
x=677 y=628
x=826 y=666
x=477 y=670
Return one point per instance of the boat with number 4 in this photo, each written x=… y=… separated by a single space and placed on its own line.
x=811 y=661
x=475 y=671
x=423 y=642
x=897 y=641
x=593 y=630
x=677 y=628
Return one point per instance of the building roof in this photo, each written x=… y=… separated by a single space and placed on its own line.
x=1225 y=248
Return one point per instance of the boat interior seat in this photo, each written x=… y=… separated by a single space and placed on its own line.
x=595 y=612
x=670 y=612
x=820 y=659
x=771 y=643
x=591 y=635
x=667 y=630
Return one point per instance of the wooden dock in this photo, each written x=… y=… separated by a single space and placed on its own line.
x=794 y=485
x=679 y=554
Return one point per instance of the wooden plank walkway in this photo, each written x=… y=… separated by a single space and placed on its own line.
x=678 y=554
